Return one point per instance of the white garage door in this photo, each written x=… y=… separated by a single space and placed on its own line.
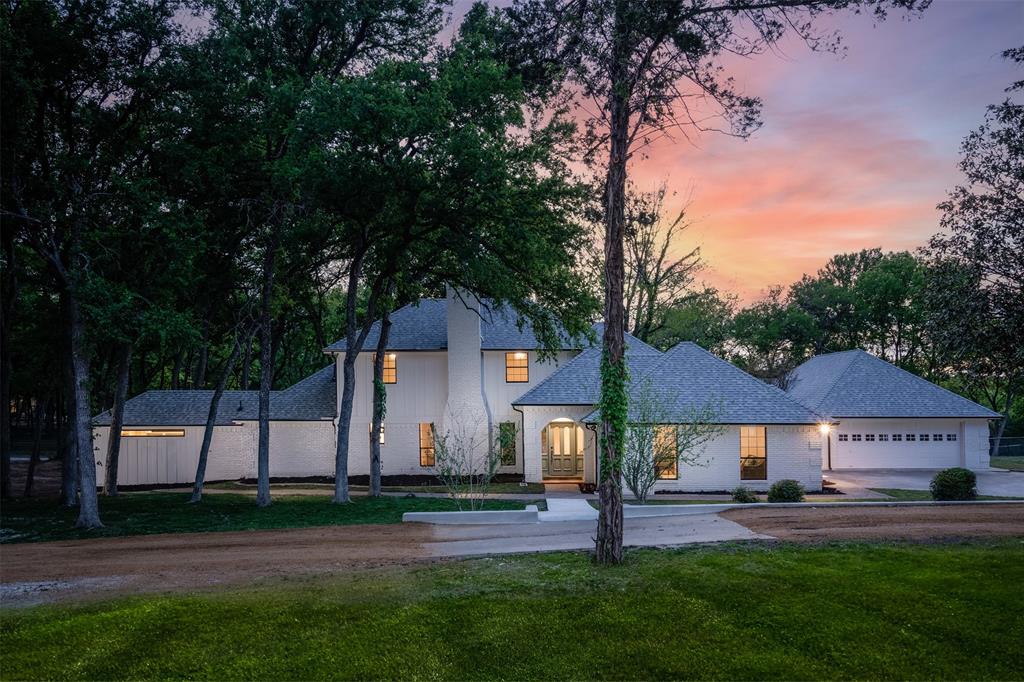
x=894 y=446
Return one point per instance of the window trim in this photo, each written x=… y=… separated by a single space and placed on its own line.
x=429 y=447
x=764 y=457
x=516 y=357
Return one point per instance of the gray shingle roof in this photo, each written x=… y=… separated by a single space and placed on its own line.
x=424 y=326
x=312 y=399
x=855 y=383
x=688 y=377
x=578 y=382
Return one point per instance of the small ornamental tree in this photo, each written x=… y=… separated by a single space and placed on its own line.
x=660 y=438
x=466 y=459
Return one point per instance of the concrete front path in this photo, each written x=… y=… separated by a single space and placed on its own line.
x=567 y=509
x=992 y=482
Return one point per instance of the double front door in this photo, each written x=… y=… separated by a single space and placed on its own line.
x=562 y=443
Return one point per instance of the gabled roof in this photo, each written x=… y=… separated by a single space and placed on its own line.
x=424 y=326
x=311 y=399
x=688 y=377
x=578 y=382
x=855 y=383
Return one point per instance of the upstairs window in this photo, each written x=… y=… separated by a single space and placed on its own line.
x=426 y=445
x=666 y=452
x=753 y=453
x=390 y=367
x=517 y=367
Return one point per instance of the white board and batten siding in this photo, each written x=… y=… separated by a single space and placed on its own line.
x=885 y=444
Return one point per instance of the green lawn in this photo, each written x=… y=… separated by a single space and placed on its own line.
x=1012 y=463
x=502 y=488
x=918 y=495
x=863 y=611
x=150 y=513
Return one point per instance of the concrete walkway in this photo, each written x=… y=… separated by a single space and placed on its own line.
x=567 y=509
x=997 y=482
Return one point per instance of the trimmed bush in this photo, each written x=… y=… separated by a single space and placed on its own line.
x=954 y=483
x=786 y=490
x=743 y=494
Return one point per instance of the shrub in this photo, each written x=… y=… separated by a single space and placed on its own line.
x=743 y=494
x=954 y=484
x=786 y=490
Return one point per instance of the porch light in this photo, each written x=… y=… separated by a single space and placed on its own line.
x=824 y=428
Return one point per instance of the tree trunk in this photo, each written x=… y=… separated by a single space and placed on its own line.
x=211 y=416
x=88 y=503
x=69 y=459
x=37 y=445
x=246 y=364
x=348 y=389
x=379 y=403
x=266 y=375
x=176 y=371
x=614 y=402
x=9 y=298
x=124 y=364
x=998 y=438
x=204 y=358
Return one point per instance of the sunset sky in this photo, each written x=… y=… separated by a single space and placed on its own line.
x=855 y=151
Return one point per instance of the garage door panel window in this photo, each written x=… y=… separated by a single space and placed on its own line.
x=856 y=438
x=950 y=436
x=911 y=437
x=937 y=437
x=844 y=437
x=869 y=437
x=924 y=438
x=897 y=437
x=753 y=453
x=883 y=437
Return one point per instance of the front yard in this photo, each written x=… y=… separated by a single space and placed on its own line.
x=1011 y=463
x=150 y=513
x=857 y=610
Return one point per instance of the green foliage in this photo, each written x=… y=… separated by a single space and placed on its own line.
x=786 y=490
x=744 y=495
x=954 y=483
x=904 y=611
x=614 y=409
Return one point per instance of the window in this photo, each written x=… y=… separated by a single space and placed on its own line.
x=517 y=368
x=883 y=437
x=507 y=443
x=911 y=438
x=869 y=437
x=924 y=438
x=857 y=438
x=666 y=452
x=897 y=437
x=950 y=436
x=937 y=437
x=152 y=433
x=381 y=432
x=390 y=367
x=843 y=437
x=753 y=453
x=426 y=445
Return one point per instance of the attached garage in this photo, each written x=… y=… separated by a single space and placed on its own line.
x=887 y=418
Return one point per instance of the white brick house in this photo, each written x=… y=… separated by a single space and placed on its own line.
x=452 y=360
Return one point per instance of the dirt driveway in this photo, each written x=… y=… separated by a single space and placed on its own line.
x=55 y=571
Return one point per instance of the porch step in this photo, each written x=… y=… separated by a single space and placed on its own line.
x=567 y=509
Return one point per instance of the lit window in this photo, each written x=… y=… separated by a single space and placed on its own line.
x=517 y=368
x=152 y=433
x=883 y=437
x=924 y=438
x=911 y=438
x=856 y=438
x=869 y=437
x=666 y=452
x=426 y=445
x=381 y=432
x=950 y=436
x=897 y=437
x=753 y=453
x=390 y=374
x=843 y=437
x=507 y=443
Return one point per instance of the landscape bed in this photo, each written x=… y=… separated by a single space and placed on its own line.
x=855 y=610
x=35 y=520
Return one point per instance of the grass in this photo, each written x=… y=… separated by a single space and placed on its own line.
x=921 y=495
x=1015 y=463
x=151 y=513
x=865 y=611
x=495 y=488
